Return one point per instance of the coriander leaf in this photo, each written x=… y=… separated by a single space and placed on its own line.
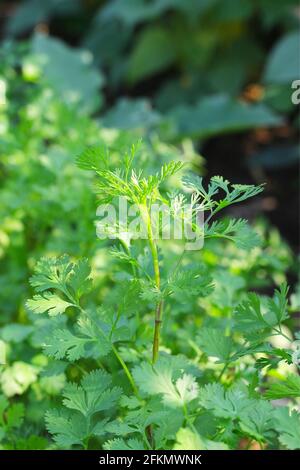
x=51 y=273
x=257 y=421
x=92 y=395
x=79 y=278
x=215 y=344
x=50 y=303
x=120 y=444
x=66 y=428
x=252 y=317
x=288 y=426
x=62 y=343
x=236 y=230
x=289 y=387
x=192 y=280
x=228 y=404
x=175 y=387
x=186 y=439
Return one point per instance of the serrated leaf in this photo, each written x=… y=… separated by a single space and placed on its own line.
x=289 y=387
x=175 y=387
x=186 y=439
x=92 y=395
x=251 y=316
x=121 y=444
x=257 y=421
x=215 y=344
x=50 y=303
x=66 y=428
x=190 y=281
x=228 y=404
x=236 y=230
x=288 y=426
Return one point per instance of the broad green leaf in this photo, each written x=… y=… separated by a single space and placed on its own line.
x=67 y=71
x=283 y=61
x=32 y=12
x=131 y=114
x=220 y=114
x=153 y=52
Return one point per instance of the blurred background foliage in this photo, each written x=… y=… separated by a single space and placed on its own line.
x=218 y=72
x=192 y=78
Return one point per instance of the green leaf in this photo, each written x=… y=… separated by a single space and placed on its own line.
x=288 y=426
x=16 y=333
x=289 y=387
x=120 y=444
x=66 y=428
x=92 y=395
x=215 y=344
x=220 y=114
x=257 y=421
x=50 y=303
x=130 y=113
x=93 y=158
x=251 y=317
x=11 y=416
x=15 y=415
x=192 y=280
x=236 y=230
x=51 y=273
x=228 y=404
x=176 y=388
x=62 y=343
x=72 y=279
x=186 y=439
x=283 y=64
x=153 y=52
x=79 y=278
x=69 y=72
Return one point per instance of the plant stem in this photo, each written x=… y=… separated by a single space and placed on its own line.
x=159 y=307
x=121 y=361
x=126 y=370
x=156 y=338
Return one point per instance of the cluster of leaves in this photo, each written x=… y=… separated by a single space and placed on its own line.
x=75 y=358
x=175 y=404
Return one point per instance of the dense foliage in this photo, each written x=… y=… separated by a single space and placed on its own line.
x=139 y=344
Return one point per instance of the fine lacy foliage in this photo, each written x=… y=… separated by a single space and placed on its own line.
x=214 y=396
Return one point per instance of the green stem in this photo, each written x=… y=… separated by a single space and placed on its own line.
x=121 y=361
x=159 y=306
x=223 y=371
x=126 y=370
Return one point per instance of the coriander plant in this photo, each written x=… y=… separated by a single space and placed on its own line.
x=172 y=353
